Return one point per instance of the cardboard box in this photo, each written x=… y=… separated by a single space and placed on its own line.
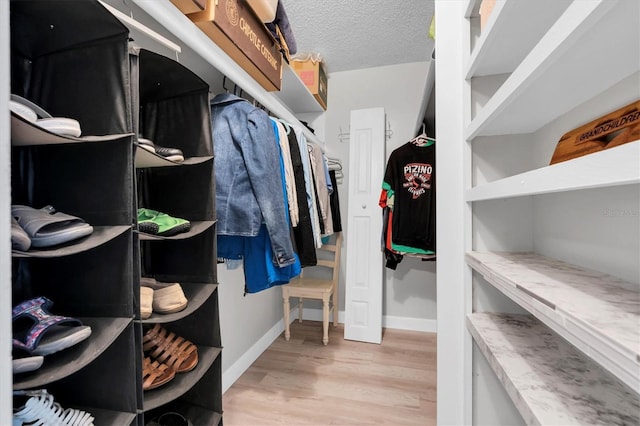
x=265 y=9
x=233 y=26
x=313 y=76
x=190 y=6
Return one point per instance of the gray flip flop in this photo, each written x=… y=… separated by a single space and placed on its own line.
x=45 y=227
x=19 y=239
x=24 y=365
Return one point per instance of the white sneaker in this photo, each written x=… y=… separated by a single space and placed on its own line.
x=41 y=410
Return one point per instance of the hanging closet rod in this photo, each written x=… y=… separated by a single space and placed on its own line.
x=132 y=23
x=344 y=136
x=239 y=92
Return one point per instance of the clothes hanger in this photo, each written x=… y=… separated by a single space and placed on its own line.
x=422 y=139
x=224 y=84
x=286 y=125
x=334 y=163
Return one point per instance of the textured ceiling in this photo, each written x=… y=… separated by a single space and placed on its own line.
x=356 y=34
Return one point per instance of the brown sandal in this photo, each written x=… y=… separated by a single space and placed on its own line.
x=174 y=351
x=155 y=374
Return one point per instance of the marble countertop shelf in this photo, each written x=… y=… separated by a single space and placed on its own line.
x=549 y=381
x=597 y=313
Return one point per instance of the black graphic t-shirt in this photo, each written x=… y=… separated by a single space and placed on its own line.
x=410 y=182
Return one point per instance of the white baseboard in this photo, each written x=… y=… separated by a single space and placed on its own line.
x=388 y=321
x=413 y=324
x=234 y=372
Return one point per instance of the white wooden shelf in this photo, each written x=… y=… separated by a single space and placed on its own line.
x=167 y=15
x=597 y=313
x=472 y=5
x=549 y=381
x=534 y=70
x=611 y=167
x=295 y=95
x=572 y=63
x=505 y=41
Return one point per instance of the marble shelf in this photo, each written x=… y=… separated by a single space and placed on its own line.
x=549 y=381
x=597 y=313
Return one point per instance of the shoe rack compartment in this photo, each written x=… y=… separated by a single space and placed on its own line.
x=207 y=340
x=109 y=384
x=196 y=293
x=72 y=64
x=174 y=107
x=88 y=180
x=93 y=283
x=207 y=392
x=181 y=260
x=174 y=112
x=185 y=191
x=90 y=388
x=71 y=58
x=74 y=60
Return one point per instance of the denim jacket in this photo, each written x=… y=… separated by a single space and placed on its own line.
x=248 y=178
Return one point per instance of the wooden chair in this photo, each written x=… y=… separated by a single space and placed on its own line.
x=315 y=288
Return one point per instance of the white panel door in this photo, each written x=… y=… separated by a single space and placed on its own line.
x=363 y=291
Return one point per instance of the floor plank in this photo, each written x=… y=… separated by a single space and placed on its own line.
x=302 y=382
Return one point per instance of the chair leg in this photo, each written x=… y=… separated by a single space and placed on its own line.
x=335 y=306
x=287 y=333
x=300 y=301
x=325 y=321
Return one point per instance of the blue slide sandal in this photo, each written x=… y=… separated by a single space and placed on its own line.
x=38 y=332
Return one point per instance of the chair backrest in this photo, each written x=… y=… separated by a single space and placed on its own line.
x=334 y=262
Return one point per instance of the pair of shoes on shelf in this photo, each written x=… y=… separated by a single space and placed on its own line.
x=157 y=223
x=160 y=297
x=41 y=118
x=170 y=418
x=166 y=354
x=37 y=407
x=44 y=227
x=36 y=332
x=171 y=154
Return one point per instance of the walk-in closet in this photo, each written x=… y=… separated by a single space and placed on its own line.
x=225 y=212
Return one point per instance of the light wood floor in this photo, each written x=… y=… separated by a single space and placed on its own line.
x=302 y=382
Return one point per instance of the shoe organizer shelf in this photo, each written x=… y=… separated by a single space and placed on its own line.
x=74 y=59
x=174 y=112
x=549 y=288
x=65 y=63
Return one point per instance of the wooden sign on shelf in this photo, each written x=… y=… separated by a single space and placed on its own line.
x=616 y=128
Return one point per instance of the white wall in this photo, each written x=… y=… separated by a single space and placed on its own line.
x=248 y=324
x=599 y=228
x=400 y=90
